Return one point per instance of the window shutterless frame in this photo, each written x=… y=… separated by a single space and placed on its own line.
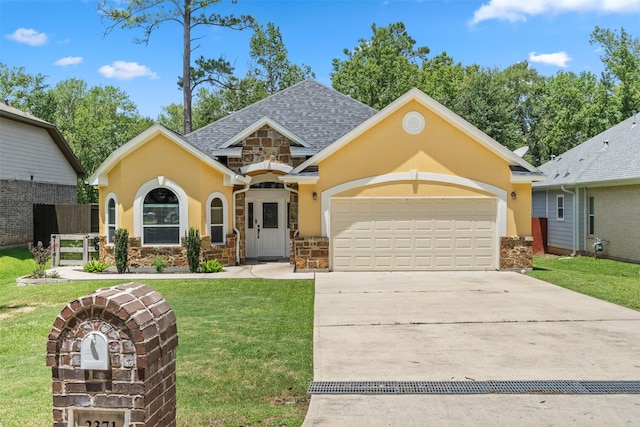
x=560 y=208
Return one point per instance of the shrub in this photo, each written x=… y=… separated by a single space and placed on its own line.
x=159 y=263
x=211 y=266
x=95 y=266
x=192 y=243
x=41 y=256
x=121 y=249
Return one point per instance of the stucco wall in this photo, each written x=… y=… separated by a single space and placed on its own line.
x=441 y=148
x=160 y=157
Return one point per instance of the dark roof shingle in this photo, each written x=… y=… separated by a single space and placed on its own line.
x=595 y=161
x=315 y=113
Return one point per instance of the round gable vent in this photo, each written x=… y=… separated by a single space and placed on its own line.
x=413 y=122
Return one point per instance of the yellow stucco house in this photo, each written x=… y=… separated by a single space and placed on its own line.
x=314 y=177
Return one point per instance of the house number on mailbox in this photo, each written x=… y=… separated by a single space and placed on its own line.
x=94 y=352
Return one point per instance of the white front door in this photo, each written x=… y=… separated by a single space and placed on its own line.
x=266 y=216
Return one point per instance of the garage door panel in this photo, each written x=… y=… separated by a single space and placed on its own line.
x=413 y=234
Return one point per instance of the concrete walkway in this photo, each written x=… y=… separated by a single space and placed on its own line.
x=272 y=270
x=470 y=326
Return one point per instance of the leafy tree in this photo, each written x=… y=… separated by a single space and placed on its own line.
x=273 y=68
x=148 y=15
x=381 y=69
x=621 y=56
x=484 y=102
x=172 y=117
x=94 y=121
x=24 y=91
x=573 y=108
x=441 y=79
x=270 y=72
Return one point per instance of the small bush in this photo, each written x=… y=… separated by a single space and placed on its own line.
x=41 y=256
x=192 y=243
x=95 y=266
x=211 y=266
x=121 y=249
x=159 y=263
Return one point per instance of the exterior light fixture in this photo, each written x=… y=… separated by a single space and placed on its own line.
x=315 y=196
x=513 y=195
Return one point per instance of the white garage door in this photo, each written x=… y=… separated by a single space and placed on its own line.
x=413 y=234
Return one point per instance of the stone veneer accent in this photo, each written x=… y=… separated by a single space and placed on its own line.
x=16 y=207
x=176 y=256
x=516 y=253
x=141 y=330
x=311 y=253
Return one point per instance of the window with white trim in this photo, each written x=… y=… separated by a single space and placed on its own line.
x=592 y=216
x=560 y=208
x=216 y=218
x=111 y=222
x=161 y=217
x=217 y=221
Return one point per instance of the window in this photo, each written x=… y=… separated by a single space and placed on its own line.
x=161 y=218
x=592 y=216
x=216 y=218
x=560 y=208
x=110 y=218
x=217 y=221
x=270 y=215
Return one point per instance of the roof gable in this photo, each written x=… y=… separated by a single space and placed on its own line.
x=100 y=177
x=610 y=157
x=12 y=113
x=415 y=95
x=313 y=114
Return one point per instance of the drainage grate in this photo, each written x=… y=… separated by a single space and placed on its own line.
x=474 y=387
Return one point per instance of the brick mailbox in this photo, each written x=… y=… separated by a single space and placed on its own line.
x=112 y=355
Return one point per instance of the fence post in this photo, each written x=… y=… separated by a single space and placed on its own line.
x=85 y=250
x=55 y=251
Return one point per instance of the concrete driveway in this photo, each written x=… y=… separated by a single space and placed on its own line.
x=469 y=326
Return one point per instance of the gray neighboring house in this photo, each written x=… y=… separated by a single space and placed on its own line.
x=593 y=190
x=36 y=167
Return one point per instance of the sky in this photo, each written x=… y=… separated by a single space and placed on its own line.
x=64 y=39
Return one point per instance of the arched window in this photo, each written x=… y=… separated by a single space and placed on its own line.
x=111 y=218
x=216 y=218
x=161 y=218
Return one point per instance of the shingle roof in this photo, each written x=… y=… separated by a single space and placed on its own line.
x=597 y=161
x=315 y=113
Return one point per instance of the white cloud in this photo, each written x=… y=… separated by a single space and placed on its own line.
x=559 y=59
x=123 y=70
x=519 y=10
x=28 y=36
x=69 y=60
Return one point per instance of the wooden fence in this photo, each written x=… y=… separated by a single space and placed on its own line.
x=63 y=219
x=73 y=249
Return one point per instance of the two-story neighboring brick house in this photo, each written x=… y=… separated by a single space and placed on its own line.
x=36 y=167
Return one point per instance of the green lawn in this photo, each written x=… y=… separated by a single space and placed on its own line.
x=244 y=358
x=612 y=281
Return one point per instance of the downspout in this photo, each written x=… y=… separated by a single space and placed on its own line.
x=296 y=231
x=575 y=218
x=235 y=225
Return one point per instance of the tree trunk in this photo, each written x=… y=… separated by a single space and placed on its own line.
x=186 y=67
